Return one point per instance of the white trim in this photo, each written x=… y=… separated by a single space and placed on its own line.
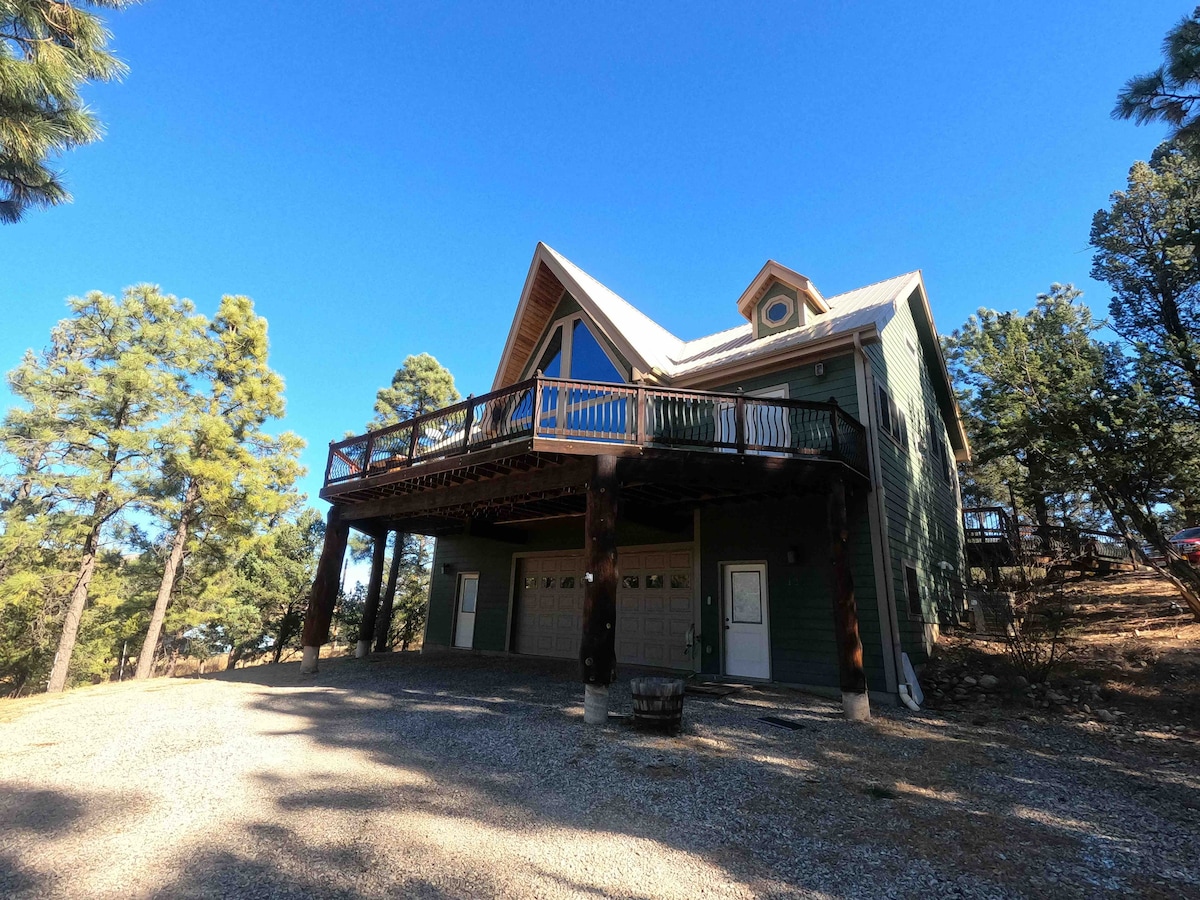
x=762 y=320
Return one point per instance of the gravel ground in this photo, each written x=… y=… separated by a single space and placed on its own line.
x=412 y=777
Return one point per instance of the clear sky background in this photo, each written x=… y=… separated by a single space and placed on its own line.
x=376 y=175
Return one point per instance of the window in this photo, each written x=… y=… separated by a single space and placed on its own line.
x=629 y=581
x=774 y=311
x=891 y=419
x=654 y=581
x=589 y=362
x=568 y=582
x=938 y=451
x=572 y=350
x=551 y=361
x=912 y=588
x=680 y=582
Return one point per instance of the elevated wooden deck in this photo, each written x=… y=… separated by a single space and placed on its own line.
x=523 y=452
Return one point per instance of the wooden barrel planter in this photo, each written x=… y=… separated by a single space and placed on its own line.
x=658 y=703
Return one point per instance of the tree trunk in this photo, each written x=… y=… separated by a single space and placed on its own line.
x=323 y=596
x=167 y=584
x=597 y=648
x=366 y=628
x=70 y=632
x=1178 y=571
x=851 y=674
x=383 y=626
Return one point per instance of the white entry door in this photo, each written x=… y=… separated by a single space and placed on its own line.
x=747 y=632
x=464 y=628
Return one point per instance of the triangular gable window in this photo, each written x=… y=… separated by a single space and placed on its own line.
x=589 y=362
x=572 y=350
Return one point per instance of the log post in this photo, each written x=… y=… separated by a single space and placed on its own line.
x=383 y=626
x=597 y=649
x=845 y=611
x=324 y=590
x=366 y=628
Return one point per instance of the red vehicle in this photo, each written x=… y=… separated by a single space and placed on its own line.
x=1187 y=542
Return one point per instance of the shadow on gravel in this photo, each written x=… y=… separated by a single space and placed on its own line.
x=924 y=803
x=28 y=817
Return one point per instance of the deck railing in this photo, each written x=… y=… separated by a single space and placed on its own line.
x=633 y=415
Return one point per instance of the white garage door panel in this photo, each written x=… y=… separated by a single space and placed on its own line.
x=654 y=607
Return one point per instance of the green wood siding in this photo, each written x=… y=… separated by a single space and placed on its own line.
x=803 y=648
x=804 y=384
x=924 y=526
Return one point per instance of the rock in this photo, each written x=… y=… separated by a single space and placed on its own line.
x=989 y=682
x=969 y=681
x=1086 y=708
x=1021 y=681
x=1055 y=697
x=1105 y=716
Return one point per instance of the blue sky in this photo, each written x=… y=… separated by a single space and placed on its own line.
x=376 y=175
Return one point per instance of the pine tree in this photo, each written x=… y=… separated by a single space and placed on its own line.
x=48 y=50
x=1169 y=93
x=420 y=385
x=219 y=469
x=1148 y=251
x=1041 y=389
x=95 y=399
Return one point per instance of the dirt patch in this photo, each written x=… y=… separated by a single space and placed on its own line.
x=1131 y=667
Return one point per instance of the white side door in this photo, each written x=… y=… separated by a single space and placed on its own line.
x=468 y=594
x=747 y=629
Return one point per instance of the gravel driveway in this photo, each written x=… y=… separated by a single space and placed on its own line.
x=411 y=777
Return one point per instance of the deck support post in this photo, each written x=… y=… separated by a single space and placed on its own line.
x=597 y=649
x=851 y=674
x=324 y=590
x=366 y=629
x=383 y=625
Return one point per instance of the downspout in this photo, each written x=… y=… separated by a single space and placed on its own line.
x=903 y=689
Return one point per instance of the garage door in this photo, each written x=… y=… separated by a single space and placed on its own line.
x=550 y=606
x=654 y=606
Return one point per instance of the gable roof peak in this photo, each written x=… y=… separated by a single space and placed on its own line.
x=772 y=272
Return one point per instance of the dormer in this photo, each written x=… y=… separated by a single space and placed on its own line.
x=779 y=299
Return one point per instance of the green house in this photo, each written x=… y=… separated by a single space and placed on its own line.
x=766 y=485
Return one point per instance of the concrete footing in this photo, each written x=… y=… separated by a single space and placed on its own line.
x=362 y=648
x=595 y=704
x=308 y=662
x=857 y=707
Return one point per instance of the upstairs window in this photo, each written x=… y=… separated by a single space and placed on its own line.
x=891 y=419
x=573 y=351
x=938 y=452
x=589 y=362
x=912 y=589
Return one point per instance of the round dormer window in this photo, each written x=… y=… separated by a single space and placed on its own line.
x=777 y=310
